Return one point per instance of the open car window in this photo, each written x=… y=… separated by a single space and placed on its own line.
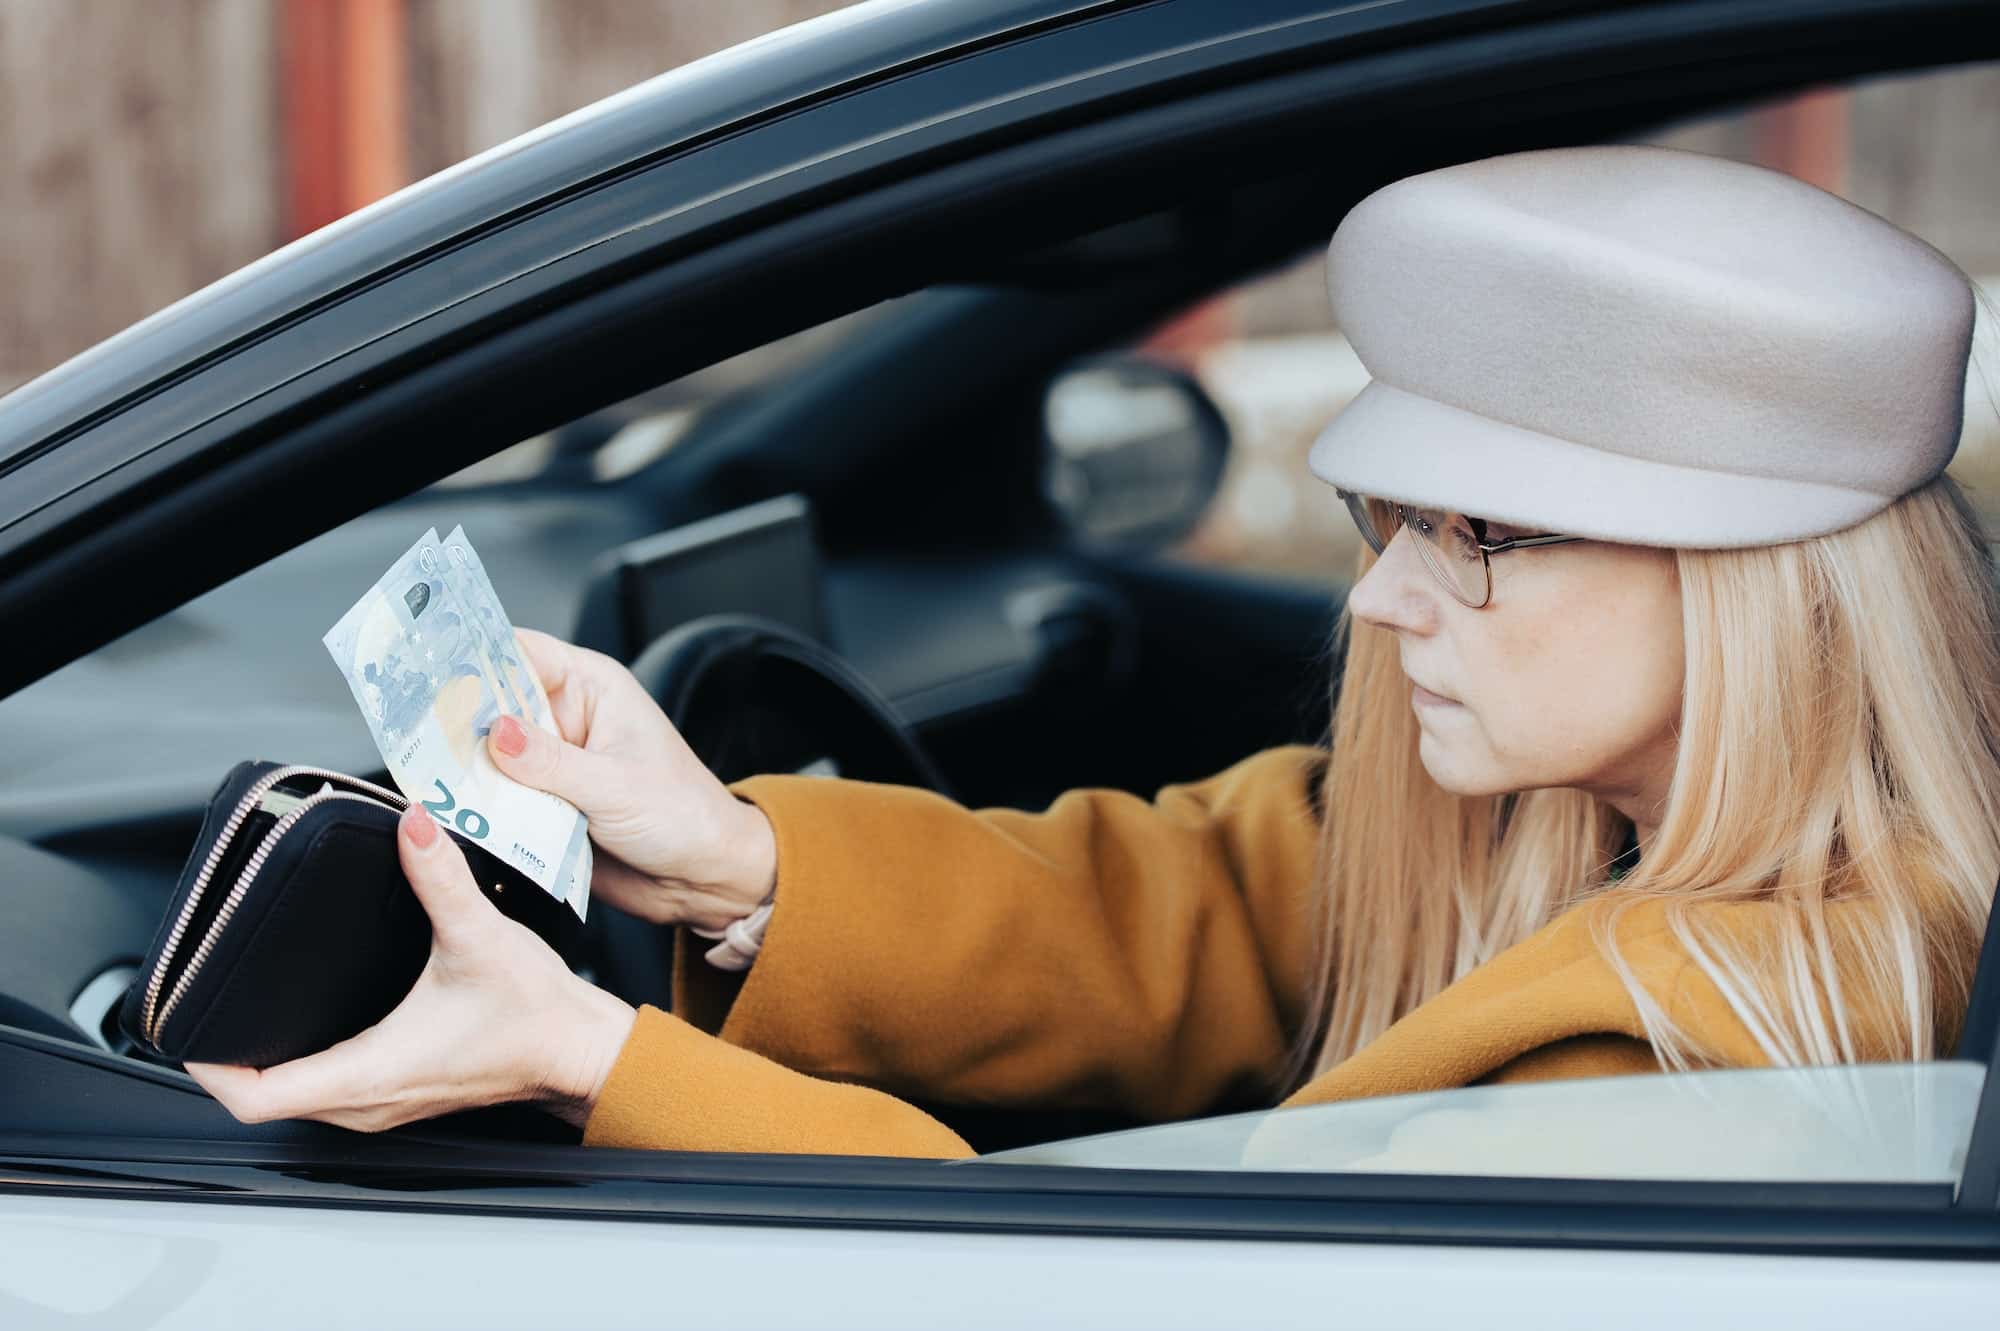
x=1872 y=1123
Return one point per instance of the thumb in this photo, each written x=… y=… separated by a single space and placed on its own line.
x=534 y=757
x=440 y=877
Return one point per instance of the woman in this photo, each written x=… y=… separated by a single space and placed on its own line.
x=1720 y=610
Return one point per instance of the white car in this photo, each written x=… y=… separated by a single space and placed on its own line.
x=874 y=559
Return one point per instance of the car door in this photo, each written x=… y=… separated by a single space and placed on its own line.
x=1841 y=1196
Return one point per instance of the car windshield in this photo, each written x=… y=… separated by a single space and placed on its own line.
x=1906 y=1123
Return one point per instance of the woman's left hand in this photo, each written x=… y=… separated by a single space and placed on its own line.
x=496 y=1016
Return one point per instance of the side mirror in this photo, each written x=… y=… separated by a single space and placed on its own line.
x=1132 y=452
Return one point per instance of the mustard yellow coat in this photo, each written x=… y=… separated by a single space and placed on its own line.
x=1110 y=953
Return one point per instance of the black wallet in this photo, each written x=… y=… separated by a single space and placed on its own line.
x=292 y=927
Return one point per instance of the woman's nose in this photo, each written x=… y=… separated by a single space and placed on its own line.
x=1398 y=592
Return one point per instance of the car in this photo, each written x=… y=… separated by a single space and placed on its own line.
x=873 y=554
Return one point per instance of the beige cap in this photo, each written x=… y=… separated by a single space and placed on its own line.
x=1642 y=344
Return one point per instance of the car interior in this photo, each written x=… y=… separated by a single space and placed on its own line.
x=1036 y=650
x=871 y=563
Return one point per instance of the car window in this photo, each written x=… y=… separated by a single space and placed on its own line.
x=1888 y=1122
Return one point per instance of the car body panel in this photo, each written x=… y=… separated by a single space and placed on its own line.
x=70 y=1261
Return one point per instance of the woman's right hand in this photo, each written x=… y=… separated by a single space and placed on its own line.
x=673 y=845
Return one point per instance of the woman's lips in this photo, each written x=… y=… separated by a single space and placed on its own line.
x=1423 y=697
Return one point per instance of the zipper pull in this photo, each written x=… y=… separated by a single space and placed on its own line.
x=278 y=802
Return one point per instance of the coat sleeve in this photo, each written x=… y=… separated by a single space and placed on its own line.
x=1110 y=952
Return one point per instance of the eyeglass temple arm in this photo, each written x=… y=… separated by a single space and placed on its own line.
x=1519 y=542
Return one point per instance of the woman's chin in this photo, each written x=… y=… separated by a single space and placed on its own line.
x=1451 y=776
x=1436 y=763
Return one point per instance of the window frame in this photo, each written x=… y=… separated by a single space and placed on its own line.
x=574 y=1182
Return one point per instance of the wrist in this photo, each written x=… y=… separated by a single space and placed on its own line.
x=752 y=875
x=586 y=1046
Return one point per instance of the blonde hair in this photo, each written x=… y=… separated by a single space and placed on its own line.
x=1839 y=749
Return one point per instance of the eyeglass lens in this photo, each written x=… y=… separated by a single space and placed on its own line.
x=1446 y=542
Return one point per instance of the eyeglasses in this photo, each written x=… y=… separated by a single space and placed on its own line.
x=1454 y=545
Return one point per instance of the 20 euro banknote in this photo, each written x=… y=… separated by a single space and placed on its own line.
x=433 y=662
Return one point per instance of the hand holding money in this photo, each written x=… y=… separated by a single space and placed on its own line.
x=675 y=846
x=457 y=702
x=433 y=661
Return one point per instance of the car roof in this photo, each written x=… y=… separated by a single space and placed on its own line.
x=698 y=101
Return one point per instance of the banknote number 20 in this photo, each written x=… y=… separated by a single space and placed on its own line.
x=469 y=821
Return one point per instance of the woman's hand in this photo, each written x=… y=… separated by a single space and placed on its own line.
x=495 y=1016
x=674 y=846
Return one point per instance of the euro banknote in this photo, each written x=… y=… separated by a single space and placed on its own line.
x=433 y=662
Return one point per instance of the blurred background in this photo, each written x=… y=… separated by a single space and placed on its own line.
x=147 y=149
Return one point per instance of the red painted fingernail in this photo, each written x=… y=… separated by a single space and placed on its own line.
x=508 y=737
x=418 y=827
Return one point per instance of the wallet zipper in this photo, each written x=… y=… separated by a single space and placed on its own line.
x=154 y=1018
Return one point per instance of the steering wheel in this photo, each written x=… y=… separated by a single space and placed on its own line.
x=751 y=695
